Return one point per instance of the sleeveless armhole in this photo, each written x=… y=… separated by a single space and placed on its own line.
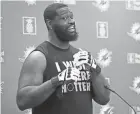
x=43 y=49
x=40 y=48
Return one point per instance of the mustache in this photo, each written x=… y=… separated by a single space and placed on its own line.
x=73 y=24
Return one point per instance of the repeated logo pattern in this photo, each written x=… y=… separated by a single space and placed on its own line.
x=30 y=2
x=1 y=56
x=102 y=5
x=26 y=53
x=70 y=2
x=29 y=25
x=135 y=31
x=104 y=57
x=133 y=58
x=0 y=22
x=136 y=85
x=102 y=29
x=1 y=88
x=133 y=5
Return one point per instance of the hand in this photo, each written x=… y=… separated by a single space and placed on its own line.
x=84 y=57
x=69 y=74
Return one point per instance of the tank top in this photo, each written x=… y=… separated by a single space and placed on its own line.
x=76 y=96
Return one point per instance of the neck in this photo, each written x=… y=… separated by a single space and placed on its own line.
x=55 y=41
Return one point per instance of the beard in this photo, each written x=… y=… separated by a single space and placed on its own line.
x=64 y=35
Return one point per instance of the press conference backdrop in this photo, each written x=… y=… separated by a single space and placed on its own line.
x=110 y=30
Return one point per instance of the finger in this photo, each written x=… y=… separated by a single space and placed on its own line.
x=83 y=53
x=83 y=57
x=68 y=72
x=80 y=49
x=75 y=55
x=80 y=53
x=81 y=60
x=75 y=79
x=80 y=57
x=94 y=65
x=76 y=71
x=81 y=63
x=74 y=75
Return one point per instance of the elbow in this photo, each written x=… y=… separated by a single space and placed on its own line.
x=105 y=98
x=20 y=107
x=20 y=104
x=102 y=101
x=105 y=101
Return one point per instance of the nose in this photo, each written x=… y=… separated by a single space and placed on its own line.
x=71 y=21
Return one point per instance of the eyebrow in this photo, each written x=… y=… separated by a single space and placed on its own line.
x=66 y=13
x=63 y=12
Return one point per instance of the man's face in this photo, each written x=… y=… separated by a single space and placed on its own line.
x=64 y=25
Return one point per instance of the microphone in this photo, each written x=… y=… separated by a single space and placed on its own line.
x=121 y=98
x=98 y=70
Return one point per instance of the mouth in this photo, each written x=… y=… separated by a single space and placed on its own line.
x=72 y=28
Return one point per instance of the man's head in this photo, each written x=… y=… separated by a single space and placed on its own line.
x=59 y=19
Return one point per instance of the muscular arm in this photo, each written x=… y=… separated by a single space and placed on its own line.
x=100 y=94
x=31 y=89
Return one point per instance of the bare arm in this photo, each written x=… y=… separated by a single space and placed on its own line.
x=100 y=94
x=31 y=89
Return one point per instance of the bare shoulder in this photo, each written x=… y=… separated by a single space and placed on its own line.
x=32 y=70
x=36 y=59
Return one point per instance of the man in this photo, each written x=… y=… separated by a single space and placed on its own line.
x=57 y=78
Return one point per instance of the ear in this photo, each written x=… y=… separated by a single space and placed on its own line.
x=48 y=23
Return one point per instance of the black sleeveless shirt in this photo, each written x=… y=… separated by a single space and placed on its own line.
x=76 y=96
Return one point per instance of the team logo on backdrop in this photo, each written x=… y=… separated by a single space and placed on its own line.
x=26 y=53
x=83 y=83
x=106 y=109
x=28 y=111
x=0 y=22
x=1 y=88
x=135 y=31
x=104 y=57
x=133 y=58
x=133 y=4
x=65 y=1
x=102 y=29
x=102 y=5
x=31 y=2
x=1 y=56
x=29 y=25
x=137 y=109
x=58 y=1
x=136 y=85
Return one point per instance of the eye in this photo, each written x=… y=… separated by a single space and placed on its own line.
x=71 y=17
x=64 y=18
